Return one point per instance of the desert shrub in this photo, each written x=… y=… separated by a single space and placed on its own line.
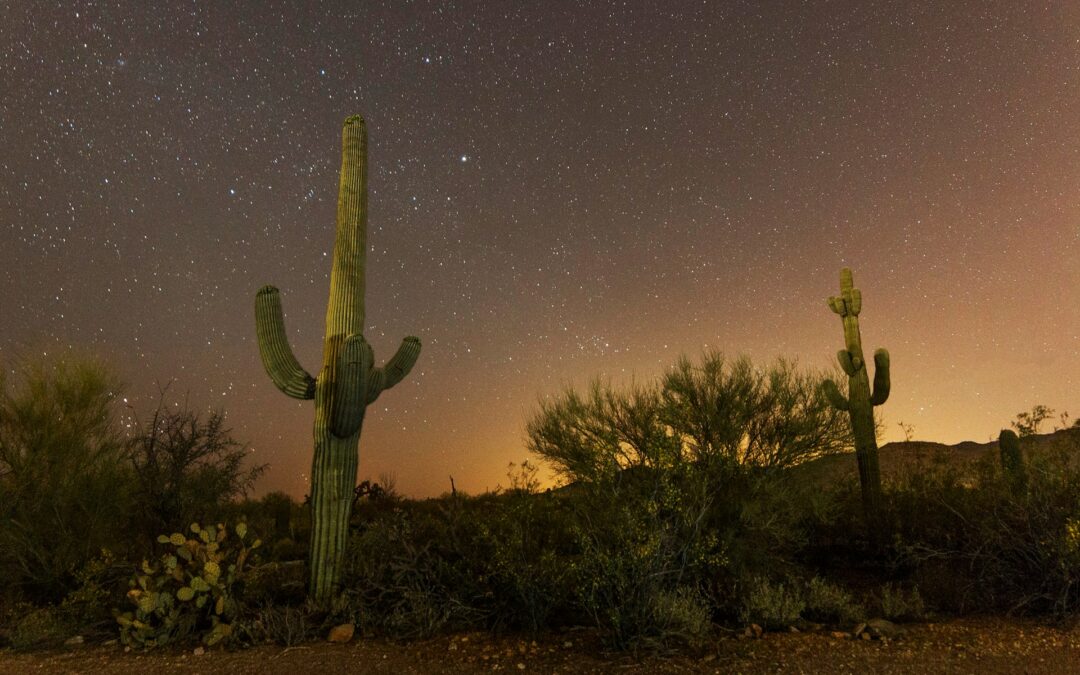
x=284 y=624
x=683 y=616
x=999 y=549
x=900 y=605
x=685 y=485
x=771 y=605
x=37 y=627
x=775 y=416
x=193 y=589
x=715 y=413
x=99 y=586
x=828 y=603
x=186 y=468
x=284 y=520
x=414 y=572
x=64 y=490
x=529 y=539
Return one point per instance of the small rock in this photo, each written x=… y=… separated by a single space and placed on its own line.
x=864 y=636
x=199 y=651
x=109 y=643
x=72 y=641
x=859 y=628
x=341 y=633
x=521 y=666
x=793 y=629
x=840 y=635
x=568 y=644
x=756 y=631
x=883 y=628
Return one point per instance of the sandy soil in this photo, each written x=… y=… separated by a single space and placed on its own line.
x=986 y=646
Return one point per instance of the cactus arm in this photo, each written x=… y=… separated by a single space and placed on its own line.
x=277 y=357
x=375 y=385
x=354 y=364
x=833 y=394
x=402 y=361
x=395 y=369
x=844 y=357
x=836 y=304
x=854 y=302
x=881 y=377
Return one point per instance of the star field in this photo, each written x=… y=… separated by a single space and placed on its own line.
x=558 y=191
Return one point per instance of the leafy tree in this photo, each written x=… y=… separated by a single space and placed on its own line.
x=717 y=412
x=772 y=417
x=64 y=490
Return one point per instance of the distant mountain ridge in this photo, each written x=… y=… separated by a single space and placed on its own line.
x=899 y=455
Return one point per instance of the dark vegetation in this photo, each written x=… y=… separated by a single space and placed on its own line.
x=702 y=503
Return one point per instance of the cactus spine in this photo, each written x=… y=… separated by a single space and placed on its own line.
x=348 y=381
x=1012 y=460
x=860 y=402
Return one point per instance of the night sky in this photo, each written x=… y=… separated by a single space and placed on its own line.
x=558 y=191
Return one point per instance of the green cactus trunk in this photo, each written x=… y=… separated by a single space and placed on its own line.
x=860 y=401
x=348 y=381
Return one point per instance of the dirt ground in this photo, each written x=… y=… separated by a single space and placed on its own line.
x=985 y=646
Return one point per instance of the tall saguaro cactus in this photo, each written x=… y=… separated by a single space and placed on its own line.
x=348 y=381
x=860 y=402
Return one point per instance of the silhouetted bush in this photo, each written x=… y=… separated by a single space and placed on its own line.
x=186 y=468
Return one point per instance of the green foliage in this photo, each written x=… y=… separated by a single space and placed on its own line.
x=773 y=417
x=525 y=536
x=191 y=589
x=64 y=488
x=413 y=573
x=710 y=414
x=828 y=603
x=773 y=606
x=38 y=627
x=900 y=605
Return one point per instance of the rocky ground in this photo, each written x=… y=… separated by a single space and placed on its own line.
x=985 y=646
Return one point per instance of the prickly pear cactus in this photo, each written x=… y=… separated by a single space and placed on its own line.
x=349 y=379
x=860 y=402
x=1012 y=460
x=189 y=590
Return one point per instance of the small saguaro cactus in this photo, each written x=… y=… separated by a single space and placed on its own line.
x=1012 y=460
x=348 y=381
x=860 y=402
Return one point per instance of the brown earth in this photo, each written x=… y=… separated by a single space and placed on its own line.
x=985 y=645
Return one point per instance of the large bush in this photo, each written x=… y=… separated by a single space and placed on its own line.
x=186 y=468
x=65 y=491
x=681 y=489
